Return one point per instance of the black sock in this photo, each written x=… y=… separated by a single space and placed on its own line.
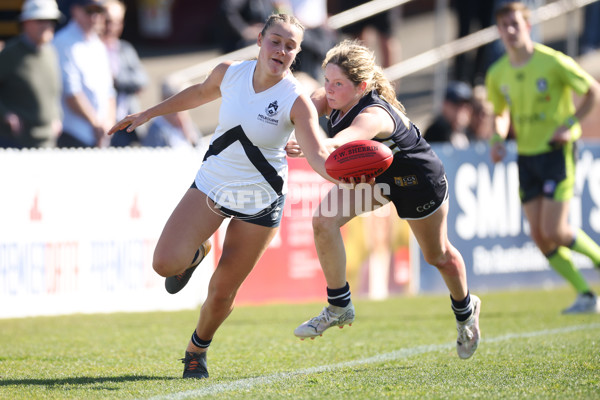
x=195 y=257
x=203 y=344
x=339 y=297
x=462 y=309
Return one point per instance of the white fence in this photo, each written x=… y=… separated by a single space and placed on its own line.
x=78 y=229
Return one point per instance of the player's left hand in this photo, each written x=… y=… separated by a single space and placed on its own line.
x=292 y=148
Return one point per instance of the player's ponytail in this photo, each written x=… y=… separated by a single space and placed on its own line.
x=385 y=89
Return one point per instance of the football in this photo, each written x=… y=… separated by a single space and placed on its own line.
x=357 y=158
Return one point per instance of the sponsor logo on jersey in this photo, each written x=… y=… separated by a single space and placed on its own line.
x=404 y=181
x=426 y=206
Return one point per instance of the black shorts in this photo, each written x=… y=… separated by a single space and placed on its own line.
x=415 y=183
x=269 y=217
x=551 y=174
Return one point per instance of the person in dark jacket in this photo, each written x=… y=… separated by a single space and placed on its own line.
x=30 y=83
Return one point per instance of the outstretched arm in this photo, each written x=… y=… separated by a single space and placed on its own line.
x=305 y=119
x=191 y=97
x=371 y=122
x=319 y=100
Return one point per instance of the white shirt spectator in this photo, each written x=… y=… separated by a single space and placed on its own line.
x=85 y=68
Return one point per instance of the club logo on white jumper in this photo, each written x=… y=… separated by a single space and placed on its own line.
x=271 y=110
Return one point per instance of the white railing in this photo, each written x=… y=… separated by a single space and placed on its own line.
x=475 y=40
x=335 y=22
x=437 y=56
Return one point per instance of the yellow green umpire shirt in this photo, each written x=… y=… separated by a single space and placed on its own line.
x=538 y=95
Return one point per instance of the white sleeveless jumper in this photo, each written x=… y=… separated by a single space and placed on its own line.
x=245 y=167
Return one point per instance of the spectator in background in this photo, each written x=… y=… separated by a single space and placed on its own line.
x=88 y=97
x=128 y=73
x=318 y=37
x=65 y=8
x=481 y=125
x=30 y=112
x=174 y=129
x=590 y=37
x=451 y=124
x=381 y=25
x=468 y=12
x=242 y=21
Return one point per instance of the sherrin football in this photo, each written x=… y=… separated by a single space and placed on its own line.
x=357 y=158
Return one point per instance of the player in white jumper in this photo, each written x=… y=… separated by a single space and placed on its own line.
x=243 y=175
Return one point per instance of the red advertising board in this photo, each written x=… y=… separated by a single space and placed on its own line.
x=289 y=270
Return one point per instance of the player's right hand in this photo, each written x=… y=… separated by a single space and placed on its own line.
x=130 y=122
x=352 y=183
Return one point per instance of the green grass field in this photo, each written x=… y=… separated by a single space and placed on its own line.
x=399 y=348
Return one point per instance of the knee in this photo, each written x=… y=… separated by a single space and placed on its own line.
x=559 y=236
x=447 y=259
x=164 y=265
x=546 y=235
x=221 y=295
x=537 y=236
x=161 y=267
x=438 y=259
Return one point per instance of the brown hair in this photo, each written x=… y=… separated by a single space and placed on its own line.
x=281 y=19
x=513 y=6
x=358 y=64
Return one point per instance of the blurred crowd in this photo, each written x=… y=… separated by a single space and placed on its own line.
x=67 y=87
x=69 y=74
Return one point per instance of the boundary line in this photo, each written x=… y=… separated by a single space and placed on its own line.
x=249 y=383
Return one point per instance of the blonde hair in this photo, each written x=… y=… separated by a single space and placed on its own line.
x=358 y=64
x=513 y=6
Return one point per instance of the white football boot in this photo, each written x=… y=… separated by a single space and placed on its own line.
x=468 y=331
x=330 y=316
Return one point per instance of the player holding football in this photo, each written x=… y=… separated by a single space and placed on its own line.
x=361 y=104
x=532 y=86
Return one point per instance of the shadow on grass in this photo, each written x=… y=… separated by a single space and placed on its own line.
x=82 y=380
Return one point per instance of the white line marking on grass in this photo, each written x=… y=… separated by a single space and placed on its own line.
x=250 y=383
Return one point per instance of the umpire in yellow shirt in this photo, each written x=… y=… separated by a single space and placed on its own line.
x=532 y=85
